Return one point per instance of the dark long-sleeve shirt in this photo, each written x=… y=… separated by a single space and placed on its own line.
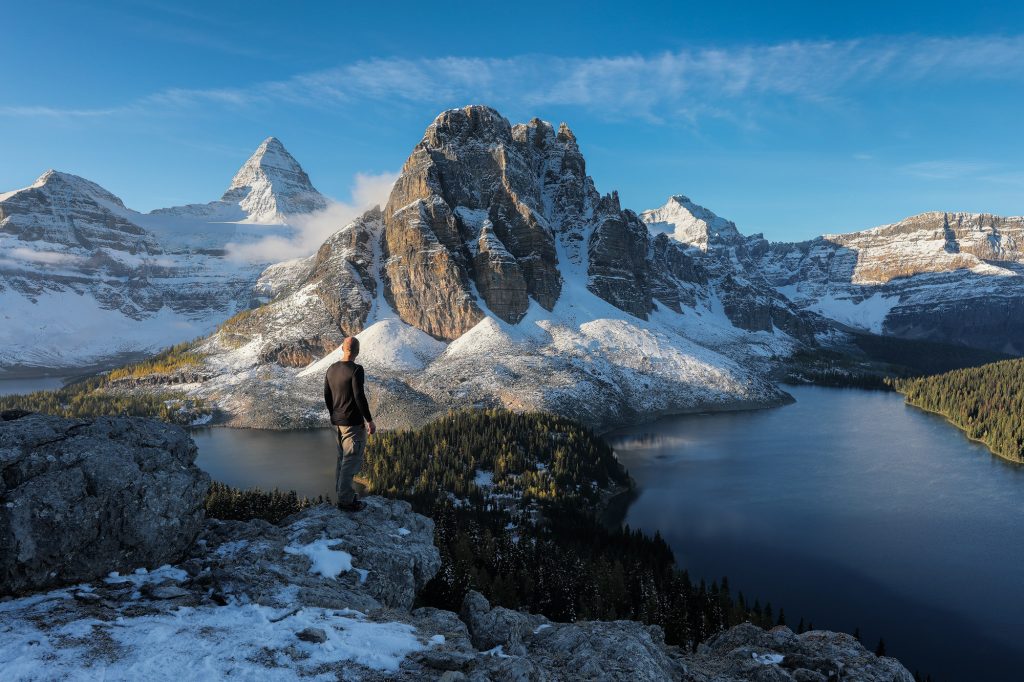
x=344 y=394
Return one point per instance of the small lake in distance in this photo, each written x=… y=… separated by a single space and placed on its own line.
x=847 y=508
x=15 y=386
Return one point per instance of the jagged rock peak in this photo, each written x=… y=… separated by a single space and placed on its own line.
x=271 y=185
x=565 y=134
x=689 y=223
x=474 y=121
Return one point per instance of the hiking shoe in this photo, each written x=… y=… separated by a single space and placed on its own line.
x=355 y=506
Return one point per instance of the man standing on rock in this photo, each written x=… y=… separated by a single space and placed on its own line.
x=350 y=415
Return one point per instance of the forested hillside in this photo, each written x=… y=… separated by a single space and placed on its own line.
x=103 y=394
x=987 y=402
x=515 y=499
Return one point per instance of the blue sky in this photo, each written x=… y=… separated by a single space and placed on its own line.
x=792 y=119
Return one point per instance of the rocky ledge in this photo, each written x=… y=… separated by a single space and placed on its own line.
x=328 y=595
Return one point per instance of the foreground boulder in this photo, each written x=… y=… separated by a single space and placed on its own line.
x=81 y=498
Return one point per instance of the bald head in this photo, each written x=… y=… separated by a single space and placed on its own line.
x=350 y=347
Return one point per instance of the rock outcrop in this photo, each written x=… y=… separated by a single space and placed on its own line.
x=326 y=593
x=81 y=498
x=322 y=593
x=390 y=551
x=746 y=652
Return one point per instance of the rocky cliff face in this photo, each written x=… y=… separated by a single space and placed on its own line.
x=83 y=279
x=474 y=207
x=485 y=207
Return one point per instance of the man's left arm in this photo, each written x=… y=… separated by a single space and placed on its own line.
x=360 y=394
x=328 y=396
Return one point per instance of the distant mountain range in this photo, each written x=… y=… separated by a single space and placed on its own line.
x=496 y=274
x=84 y=279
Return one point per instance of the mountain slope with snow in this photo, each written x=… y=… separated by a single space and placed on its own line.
x=497 y=275
x=85 y=280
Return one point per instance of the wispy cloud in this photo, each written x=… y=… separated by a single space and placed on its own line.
x=58 y=112
x=43 y=257
x=687 y=84
x=945 y=169
x=311 y=231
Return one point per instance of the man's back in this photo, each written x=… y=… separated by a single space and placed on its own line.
x=344 y=394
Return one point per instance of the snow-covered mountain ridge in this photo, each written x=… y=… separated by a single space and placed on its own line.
x=84 y=279
x=947 y=277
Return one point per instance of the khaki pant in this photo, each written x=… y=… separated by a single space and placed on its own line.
x=351 y=442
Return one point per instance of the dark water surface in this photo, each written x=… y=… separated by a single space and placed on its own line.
x=847 y=508
x=303 y=461
x=16 y=386
x=850 y=509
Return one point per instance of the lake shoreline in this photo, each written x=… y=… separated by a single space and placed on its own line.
x=946 y=418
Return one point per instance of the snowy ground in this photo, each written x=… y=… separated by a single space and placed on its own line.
x=284 y=613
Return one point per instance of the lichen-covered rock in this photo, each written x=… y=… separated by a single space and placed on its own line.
x=527 y=646
x=257 y=561
x=746 y=652
x=80 y=498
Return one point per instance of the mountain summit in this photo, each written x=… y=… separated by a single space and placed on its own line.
x=269 y=188
x=60 y=215
x=271 y=185
x=689 y=223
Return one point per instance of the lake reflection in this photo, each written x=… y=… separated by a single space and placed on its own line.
x=850 y=509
